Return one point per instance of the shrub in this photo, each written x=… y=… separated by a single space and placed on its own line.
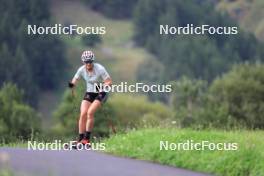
x=134 y=111
x=18 y=120
x=235 y=100
x=242 y=92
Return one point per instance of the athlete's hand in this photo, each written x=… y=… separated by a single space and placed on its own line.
x=71 y=85
x=108 y=81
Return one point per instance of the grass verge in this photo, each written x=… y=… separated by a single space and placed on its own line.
x=145 y=145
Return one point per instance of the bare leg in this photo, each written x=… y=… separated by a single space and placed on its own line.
x=83 y=115
x=90 y=114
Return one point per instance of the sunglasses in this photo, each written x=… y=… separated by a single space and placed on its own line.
x=89 y=62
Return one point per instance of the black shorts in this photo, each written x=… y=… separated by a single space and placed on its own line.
x=91 y=96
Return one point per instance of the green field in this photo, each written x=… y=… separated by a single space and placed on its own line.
x=145 y=145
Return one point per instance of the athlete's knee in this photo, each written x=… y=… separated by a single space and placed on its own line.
x=90 y=114
x=83 y=115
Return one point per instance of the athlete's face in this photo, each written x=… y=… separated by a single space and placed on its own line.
x=89 y=66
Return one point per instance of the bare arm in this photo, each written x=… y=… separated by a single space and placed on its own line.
x=108 y=81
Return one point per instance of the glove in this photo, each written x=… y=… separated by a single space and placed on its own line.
x=71 y=85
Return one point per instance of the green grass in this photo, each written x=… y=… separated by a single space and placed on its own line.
x=6 y=172
x=18 y=144
x=145 y=145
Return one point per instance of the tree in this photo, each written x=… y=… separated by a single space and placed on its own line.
x=32 y=62
x=195 y=56
x=91 y=40
x=113 y=9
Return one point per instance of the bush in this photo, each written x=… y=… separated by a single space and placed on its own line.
x=18 y=120
x=188 y=99
x=135 y=111
x=235 y=100
x=23 y=121
x=242 y=92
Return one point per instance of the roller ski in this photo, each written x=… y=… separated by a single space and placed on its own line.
x=83 y=144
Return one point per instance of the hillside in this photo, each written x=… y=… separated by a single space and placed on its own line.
x=249 y=14
x=117 y=51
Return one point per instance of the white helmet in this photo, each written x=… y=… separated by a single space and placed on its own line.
x=87 y=57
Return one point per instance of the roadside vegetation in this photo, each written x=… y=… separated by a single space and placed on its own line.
x=144 y=144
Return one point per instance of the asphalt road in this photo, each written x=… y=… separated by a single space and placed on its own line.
x=75 y=163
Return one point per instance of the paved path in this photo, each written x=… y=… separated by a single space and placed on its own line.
x=75 y=163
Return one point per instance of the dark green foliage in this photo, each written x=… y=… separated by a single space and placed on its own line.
x=235 y=100
x=113 y=8
x=187 y=99
x=196 y=56
x=146 y=18
x=18 y=120
x=32 y=62
x=91 y=40
x=157 y=70
x=242 y=91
